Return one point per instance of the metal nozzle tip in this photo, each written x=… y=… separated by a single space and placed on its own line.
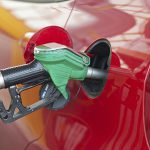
x=96 y=73
x=2 y=82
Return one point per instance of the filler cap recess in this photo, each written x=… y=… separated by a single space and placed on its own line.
x=100 y=52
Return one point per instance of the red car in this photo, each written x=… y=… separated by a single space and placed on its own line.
x=119 y=118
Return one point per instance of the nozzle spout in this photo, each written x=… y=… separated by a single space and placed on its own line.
x=93 y=73
x=2 y=83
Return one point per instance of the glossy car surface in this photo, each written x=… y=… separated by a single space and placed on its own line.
x=120 y=117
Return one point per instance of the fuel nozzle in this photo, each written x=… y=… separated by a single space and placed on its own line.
x=63 y=64
x=54 y=64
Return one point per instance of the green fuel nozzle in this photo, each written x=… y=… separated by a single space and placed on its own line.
x=51 y=66
x=62 y=64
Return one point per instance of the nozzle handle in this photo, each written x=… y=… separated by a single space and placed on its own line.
x=21 y=74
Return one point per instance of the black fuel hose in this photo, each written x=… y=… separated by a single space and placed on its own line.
x=22 y=73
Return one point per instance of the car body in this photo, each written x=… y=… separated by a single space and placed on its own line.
x=119 y=118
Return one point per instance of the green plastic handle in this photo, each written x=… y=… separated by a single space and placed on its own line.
x=63 y=65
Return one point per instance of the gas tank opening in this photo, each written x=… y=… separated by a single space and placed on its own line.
x=100 y=53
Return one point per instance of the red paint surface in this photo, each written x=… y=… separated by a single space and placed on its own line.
x=119 y=119
x=115 y=120
x=47 y=35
